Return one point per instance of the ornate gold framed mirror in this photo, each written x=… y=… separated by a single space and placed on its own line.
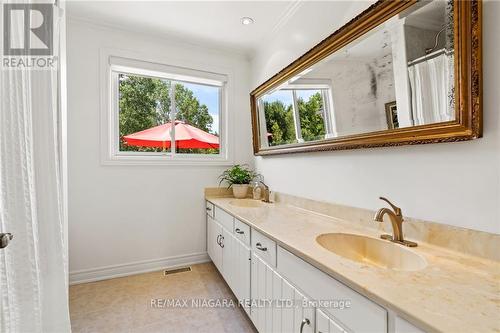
x=401 y=72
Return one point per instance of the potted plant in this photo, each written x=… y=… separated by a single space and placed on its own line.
x=238 y=177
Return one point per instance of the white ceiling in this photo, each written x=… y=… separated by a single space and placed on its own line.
x=215 y=23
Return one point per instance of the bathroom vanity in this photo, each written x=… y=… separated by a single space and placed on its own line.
x=272 y=258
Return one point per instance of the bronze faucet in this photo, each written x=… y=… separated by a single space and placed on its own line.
x=396 y=218
x=266 y=192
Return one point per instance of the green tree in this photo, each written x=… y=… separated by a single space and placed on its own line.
x=279 y=123
x=312 y=124
x=145 y=102
x=190 y=110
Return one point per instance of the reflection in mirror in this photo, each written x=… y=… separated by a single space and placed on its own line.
x=399 y=74
x=279 y=114
x=296 y=113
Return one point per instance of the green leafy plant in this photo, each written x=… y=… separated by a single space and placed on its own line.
x=237 y=174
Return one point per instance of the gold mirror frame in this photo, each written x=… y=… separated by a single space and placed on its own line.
x=468 y=83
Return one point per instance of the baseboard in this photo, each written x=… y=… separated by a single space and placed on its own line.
x=114 y=271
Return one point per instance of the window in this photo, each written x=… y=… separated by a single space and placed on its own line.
x=297 y=113
x=163 y=113
x=146 y=115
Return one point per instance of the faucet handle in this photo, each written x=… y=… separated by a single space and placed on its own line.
x=396 y=209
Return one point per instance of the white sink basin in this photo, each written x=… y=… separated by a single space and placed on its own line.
x=372 y=251
x=247 y=203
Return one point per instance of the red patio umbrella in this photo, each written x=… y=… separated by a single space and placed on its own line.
x=186 y=136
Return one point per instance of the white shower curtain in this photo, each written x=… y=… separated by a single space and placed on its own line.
x=430 y=84
x=33 y=268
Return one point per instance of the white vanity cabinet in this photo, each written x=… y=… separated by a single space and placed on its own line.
x=280 y=285
x=230 y=255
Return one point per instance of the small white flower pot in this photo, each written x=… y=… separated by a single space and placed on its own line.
x=240 y=191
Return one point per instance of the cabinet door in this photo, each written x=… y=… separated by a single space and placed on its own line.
x=287 y=311
x=236 y=265
x=258 y=292
x=324 y=324
x=277 y=313
x=228 y=257
x=335 y=328
x=214 y=234
x=297 y=315
x=210 y=239
x=241 y=272
x=262 y=283
x=303 y=314
x=282 y=307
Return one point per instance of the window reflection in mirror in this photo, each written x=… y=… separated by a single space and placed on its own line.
x=298 y=112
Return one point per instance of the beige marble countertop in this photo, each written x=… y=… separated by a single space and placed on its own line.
x=454 y=293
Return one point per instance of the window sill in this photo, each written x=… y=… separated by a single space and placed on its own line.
x=165 y=160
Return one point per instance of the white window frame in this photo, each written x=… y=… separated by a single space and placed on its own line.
x=113 y=63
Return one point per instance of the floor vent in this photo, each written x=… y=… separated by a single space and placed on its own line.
x=176 y=270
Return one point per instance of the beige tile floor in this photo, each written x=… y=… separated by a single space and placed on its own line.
x=124 y=304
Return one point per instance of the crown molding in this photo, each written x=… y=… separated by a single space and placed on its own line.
x=287 y=14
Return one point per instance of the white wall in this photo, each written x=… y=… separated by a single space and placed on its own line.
x=456 y=183
x=125 y=214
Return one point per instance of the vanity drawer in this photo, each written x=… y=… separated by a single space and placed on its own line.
x=362 y=315
x=264 y=247
x=242 y=231
x=210 y=209
x=226 y=220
